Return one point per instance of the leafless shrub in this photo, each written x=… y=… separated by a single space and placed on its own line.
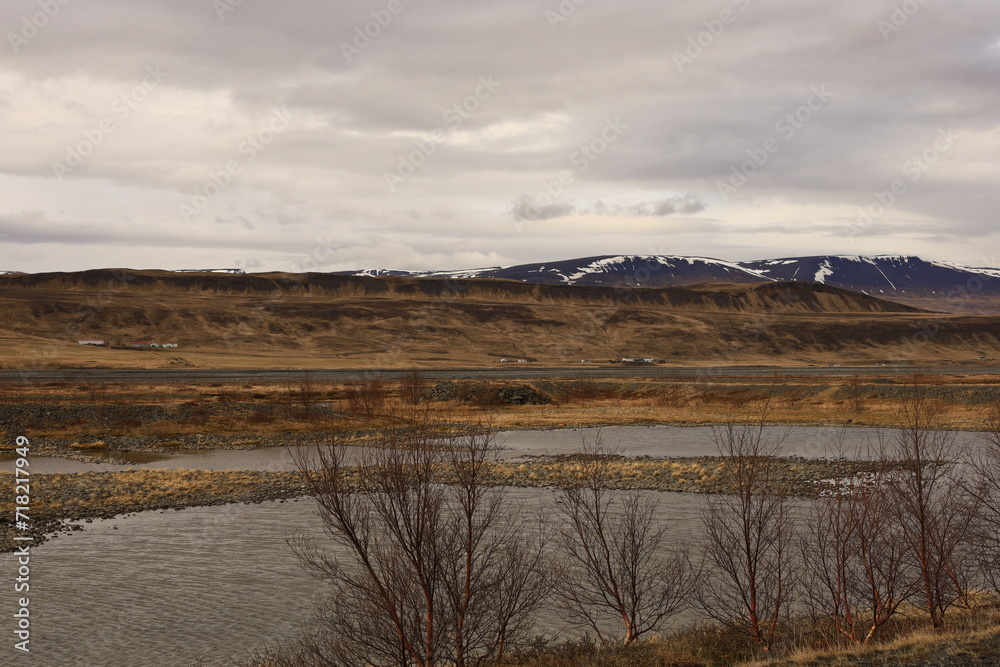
x=412 y=387
x=617 y=570
x=856 y=400
x=428 y=573
x=984 y=487
x=934 y=510
x=307 y=397
x=262 y=414
x=367 y=398
x=750 y=576
x=857 y=574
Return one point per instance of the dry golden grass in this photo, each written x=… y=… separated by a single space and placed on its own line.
x=958 y=646
x=255 y=414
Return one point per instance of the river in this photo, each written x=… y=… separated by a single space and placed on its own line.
x=173 y=587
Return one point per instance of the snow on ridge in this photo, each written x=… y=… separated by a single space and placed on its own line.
x=982 y=270
x=825 y=267
x=602 y=264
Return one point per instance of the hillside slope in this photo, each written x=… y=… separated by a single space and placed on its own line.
x=349 y=320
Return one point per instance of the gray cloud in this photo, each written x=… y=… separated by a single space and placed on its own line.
x=524 y=208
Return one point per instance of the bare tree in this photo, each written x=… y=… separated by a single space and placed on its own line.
x=435 y=566
x=308 y=396
x=855 y=395
x=367 y=397
x=984 y=487
x=412 y=386
x=935 y=512
x=618 y=571
x=856 y=569
x=749 y=541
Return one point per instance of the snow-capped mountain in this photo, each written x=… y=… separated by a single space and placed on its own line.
x=615 y=270
x=884 y=275
x=908 y=279
x=631 y=270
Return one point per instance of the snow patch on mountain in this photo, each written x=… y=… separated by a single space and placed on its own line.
x=825 y=271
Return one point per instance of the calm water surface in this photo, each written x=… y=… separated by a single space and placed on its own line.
x=170 y=588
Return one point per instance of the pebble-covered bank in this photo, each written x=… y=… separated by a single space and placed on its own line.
x=705 y=474
x=57 y=498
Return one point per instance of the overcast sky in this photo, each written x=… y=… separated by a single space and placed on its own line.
x=423 y=134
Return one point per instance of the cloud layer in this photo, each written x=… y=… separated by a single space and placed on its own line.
x=434 y=134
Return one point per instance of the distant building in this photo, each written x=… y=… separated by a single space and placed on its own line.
x=638 y=360
x=140 y=344
x=522 y=361
x=92 y=341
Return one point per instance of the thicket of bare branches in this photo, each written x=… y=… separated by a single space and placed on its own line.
x=617 y=570
x=935 y=513
x=423 y=573
x=367 y=397
x=749 y=536
x=984 y=486
x=299 y=401
x=856 y=570
x=914 y=531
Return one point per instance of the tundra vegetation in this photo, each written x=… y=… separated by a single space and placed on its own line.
x=430 y=562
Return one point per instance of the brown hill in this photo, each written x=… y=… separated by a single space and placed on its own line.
x=335 y=320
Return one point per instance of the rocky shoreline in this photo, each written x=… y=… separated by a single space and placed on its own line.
x=704 y=474
x=60 y=498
